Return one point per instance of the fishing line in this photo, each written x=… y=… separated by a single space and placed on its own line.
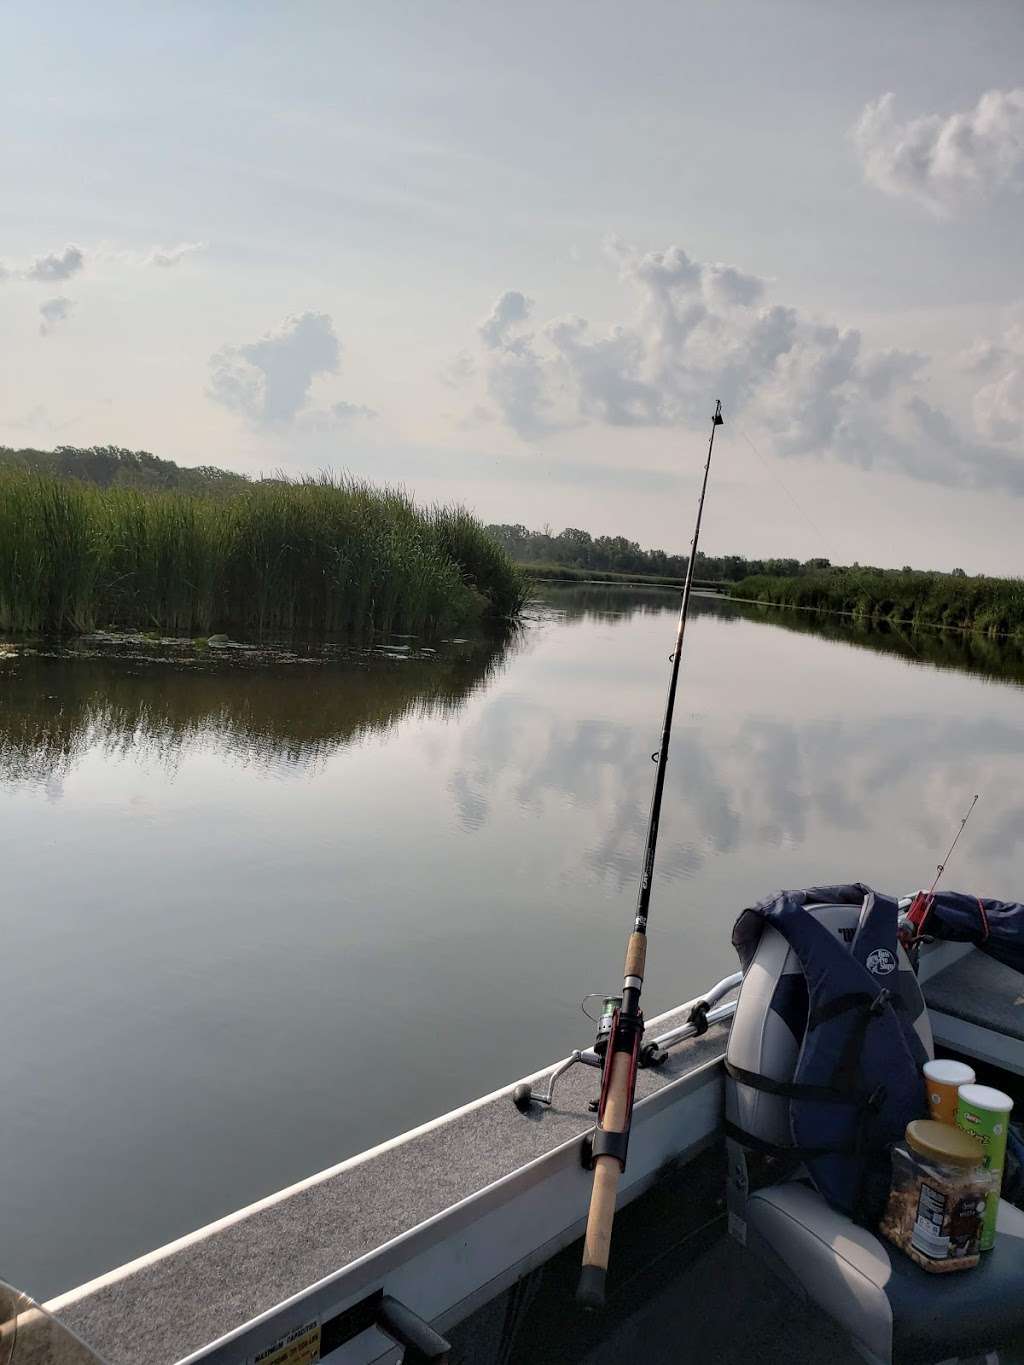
x=941 y=867
x=816 y=528
x=912 y=929
x=778 y=479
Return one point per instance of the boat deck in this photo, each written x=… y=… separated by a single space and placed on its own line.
x=175 y=1301
x=981 y=991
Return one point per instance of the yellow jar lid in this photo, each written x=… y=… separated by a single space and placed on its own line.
x=944 y=1142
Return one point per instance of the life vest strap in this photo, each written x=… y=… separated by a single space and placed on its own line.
x=842 y=1004
x=759 y=1144
x=790 y=1090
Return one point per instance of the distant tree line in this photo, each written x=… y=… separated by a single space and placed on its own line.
x=114 y=467
x=576 y=549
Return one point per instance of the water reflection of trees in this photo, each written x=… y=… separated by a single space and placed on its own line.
x=966 y=652
x=1002 y=660
x=53 y=710
x=604 y=601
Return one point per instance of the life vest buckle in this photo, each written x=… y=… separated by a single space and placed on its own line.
x=881 y=1000
x=877 y=1099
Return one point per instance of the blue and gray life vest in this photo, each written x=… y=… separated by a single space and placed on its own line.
x=996 y=927
x=857 y=1080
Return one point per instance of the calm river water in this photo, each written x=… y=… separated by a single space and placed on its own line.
x=259 y=915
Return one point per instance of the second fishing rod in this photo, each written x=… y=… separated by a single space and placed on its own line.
x=618 y=1082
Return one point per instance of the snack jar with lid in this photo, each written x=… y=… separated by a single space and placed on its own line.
x=937 y=1202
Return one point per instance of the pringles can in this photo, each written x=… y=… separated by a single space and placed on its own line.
x=985 y=1114
x=943 y=1079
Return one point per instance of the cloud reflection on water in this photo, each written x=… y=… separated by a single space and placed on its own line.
x=771 y=747
x=773 y=761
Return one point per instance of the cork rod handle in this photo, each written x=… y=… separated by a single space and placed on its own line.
x=598 y=1239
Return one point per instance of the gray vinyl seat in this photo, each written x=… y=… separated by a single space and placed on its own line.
x=894 y=1311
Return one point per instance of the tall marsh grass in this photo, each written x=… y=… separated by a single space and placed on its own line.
x=907 y=597
x=318 y=554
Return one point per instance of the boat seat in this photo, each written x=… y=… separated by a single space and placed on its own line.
x=891 y=1308
x=895 y=1312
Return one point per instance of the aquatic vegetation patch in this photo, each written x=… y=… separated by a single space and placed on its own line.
x=317 y=554
x=900 y=597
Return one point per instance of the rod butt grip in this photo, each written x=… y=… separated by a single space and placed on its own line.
x=590 y=1290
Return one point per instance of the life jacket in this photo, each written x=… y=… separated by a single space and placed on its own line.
x=996 y=927
x=857 y=1081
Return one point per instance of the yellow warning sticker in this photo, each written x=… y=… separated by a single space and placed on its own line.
x=300 y=1346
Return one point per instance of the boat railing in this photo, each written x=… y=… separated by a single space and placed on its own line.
x=702 y=1011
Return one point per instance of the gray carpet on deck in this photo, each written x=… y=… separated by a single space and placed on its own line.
x=981 y=991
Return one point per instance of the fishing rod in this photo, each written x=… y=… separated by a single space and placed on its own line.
x=913 y=924
x=620 y=1036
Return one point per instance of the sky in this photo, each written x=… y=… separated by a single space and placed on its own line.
x=512 y=255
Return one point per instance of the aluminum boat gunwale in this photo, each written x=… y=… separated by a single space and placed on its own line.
x=163 y=1308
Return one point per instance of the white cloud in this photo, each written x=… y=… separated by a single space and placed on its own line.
x=668 y=284
x=165 y=258
x=811 y=385
x=56 y=267
x=724 y=285
x=951 y=459
x=604 y=372
x=335 y=417
x=999 y=407
x=702 y=331
x=883 y=371
x=509 y=310
x=459 y=371
x=695 y=336
x=998 y=404
x=62 y=265
x=269 y=380
x=517 y=382
x=348 y=412
x=53 y=312
x=984 y=357
x=478 y=416
x=516 y=376
x=944 y=161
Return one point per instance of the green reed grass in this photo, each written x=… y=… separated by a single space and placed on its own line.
x=481 y=561
x=318 y=554
x=908 y=597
